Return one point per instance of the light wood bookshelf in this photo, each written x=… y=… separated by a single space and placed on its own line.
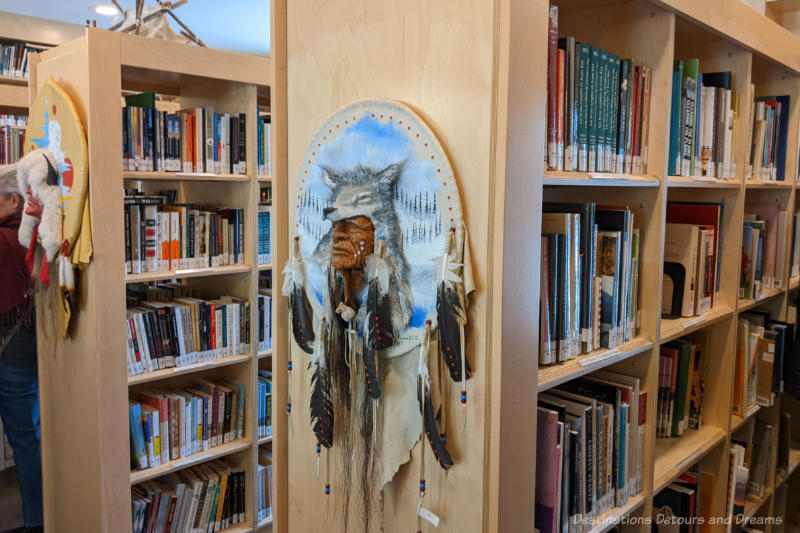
x=84 y=383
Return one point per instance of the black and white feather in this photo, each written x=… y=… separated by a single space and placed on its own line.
x=451 y=315
x=301 y=312
x=321 y=404
x=430 y=427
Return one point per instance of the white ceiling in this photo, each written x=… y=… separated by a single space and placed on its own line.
x=236 y=25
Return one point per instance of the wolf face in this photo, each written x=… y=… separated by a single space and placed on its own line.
x=366 y=192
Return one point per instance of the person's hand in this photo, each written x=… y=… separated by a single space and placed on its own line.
x=34 y=207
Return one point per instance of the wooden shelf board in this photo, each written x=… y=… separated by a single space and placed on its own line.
x=264 y=440
x=550 y=376
x=737 y=421
x=174 y=466
x=612 y=517
x=187 y=369
x=754 y=503
x=265 y=354
x=758 y=184
x=14 y=80
x=265 y=266
x=794 y=282
x=742 y=25
x=586 y=179
x=14 y=97
x=675 y=455
x=766 y=294
x=163 y=59
x=672 y=328
x=187 y=273
x=264 y=178
x=681 y=181
x=181 y=176
x=264 y=523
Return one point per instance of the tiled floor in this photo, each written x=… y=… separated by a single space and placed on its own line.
x=10 y=504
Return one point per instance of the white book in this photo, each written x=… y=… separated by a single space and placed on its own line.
x=780 y=256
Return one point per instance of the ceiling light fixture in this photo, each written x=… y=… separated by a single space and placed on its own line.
x=105 y=9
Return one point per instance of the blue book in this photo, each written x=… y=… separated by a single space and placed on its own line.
x=138 y=450
x=622 y=447
x=675 y=121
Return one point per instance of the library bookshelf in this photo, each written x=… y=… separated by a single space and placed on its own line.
x=83 y=380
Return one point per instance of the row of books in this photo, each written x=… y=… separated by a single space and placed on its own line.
x=764 y=244
x=13 y=120
x=702 y=113
x=265 y=195
x=748 y=471
x=763 y=346
x=589 y=279
x=598 y=108
x=264 y=235
x=692 y=252
x=769 y=127
x=14 y=58
x=264 y=320
x=12 y=143
x=169 y=425
x=686 y=504
x=191 y=140
x=166 y=327
x=264 y=481
x=264 y=139
x=205 y=498
x=589 y=450
x=681 y=374
x=264 y=403
x=162 y=235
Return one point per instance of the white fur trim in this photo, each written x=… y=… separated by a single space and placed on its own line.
x=32 y=170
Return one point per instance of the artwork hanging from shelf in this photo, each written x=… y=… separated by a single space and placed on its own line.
x=53 y=176
x=379 y=264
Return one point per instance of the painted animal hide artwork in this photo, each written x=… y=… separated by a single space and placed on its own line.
x=378 y=282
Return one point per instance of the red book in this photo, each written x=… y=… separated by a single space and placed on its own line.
x=548 y=462
x=213 y=340
x=552 y=89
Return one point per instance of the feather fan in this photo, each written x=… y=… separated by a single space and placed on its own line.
x=294 y=288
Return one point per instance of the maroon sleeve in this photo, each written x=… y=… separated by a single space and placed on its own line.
x=14 y=275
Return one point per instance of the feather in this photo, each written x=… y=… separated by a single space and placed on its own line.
x=373 y=386
x=379 y=310
x=450 y=314
x=321 y=405
x=294 y=288
x=431 y=430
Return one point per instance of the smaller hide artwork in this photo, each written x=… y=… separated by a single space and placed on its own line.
x=54 y=177
x=379 y=266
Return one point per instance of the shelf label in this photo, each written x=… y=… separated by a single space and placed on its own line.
x=193 y=270
x=586 y=361
x=195 y=174
x=692 y=321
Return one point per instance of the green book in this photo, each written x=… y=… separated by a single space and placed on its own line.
x=145 y=100
x=584 y=62
x=594 y=93
x=684 y=348
x=691 y=68
x=602 y=118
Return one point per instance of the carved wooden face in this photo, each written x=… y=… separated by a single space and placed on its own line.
x=353 y=241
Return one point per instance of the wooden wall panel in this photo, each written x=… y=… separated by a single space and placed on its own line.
x=438 y=58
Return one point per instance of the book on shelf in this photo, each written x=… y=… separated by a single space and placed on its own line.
x=764 y=245
x=167 y=425
x=738 y=473
x=264 y=320
x=264 y=139
x=770 y=127
x=794 y=256
x=167 y=327
x=264 y=403
x=764 y=347
x=265 y=195
x=675 y=508
x=598 y=108
x=190 y=140
x=264 y=478
x=264 y=235
x=207 y=497
x=784 y=443
x=759 y=474
x=589 y=455
x=681 y=384
x=590 y=279
x=703 y=110
x=12 y=139
x=163 y=235
x=14 y=57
